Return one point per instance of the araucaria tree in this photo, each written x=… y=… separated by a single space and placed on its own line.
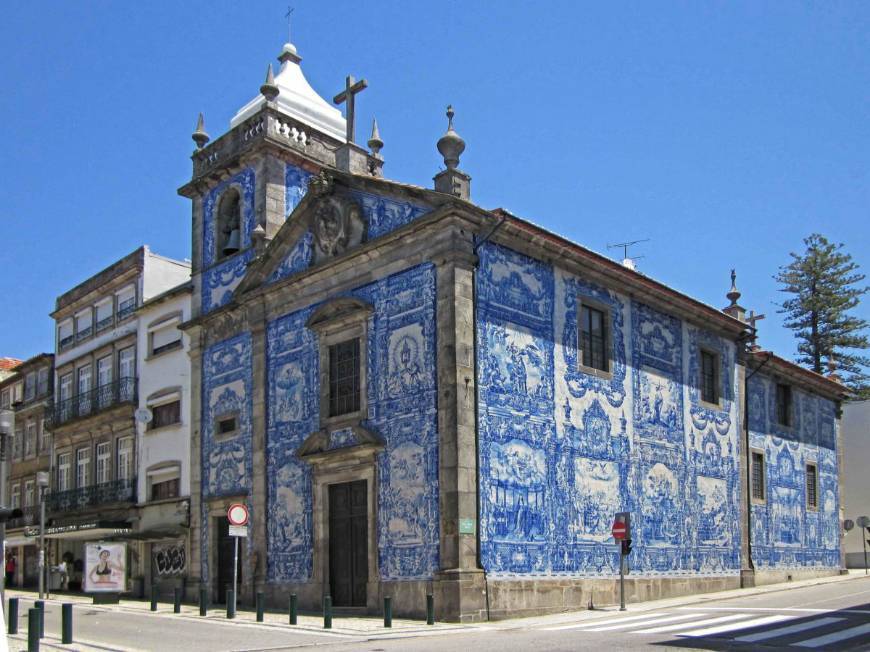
x=824 y=284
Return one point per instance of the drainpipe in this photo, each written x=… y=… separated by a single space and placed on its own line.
x=749 y=459
x=474 y=271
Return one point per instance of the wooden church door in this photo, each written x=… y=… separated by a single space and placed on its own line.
x=348 y=543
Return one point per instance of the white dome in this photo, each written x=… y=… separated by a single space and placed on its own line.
x=297 y=99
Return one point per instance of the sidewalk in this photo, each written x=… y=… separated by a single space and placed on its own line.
x=342 y=625
x=350 y=627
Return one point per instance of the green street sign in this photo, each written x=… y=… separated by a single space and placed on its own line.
x=466 y=526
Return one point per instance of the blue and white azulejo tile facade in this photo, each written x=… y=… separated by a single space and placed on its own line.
x=785 y=533
x=562 y=450
x=226 y=459
x=401 y=409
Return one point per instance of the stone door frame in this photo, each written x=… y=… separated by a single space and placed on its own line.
x=337 y=468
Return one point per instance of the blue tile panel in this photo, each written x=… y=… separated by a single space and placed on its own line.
x=562 y=450
x=785 y=534
x=401 y=386
x=219 y=280
x=381 y=216
x=226 y=460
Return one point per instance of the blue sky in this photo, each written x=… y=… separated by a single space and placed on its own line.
x=724 y=132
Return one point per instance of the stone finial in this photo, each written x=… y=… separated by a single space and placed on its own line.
x=289 y=53
x=199 y=136
x=375 y=143
x=269 y=89
x=258 y=238
x=451 y=145
x=733 y=294
x=734 y=309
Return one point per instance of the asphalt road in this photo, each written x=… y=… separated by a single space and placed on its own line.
x=833 y=616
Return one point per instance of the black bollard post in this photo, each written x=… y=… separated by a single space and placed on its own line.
x=13 y=615
x=260 y=606
x=293 y=608
x=40 y=604
x=430 y=609
x=327 y=612
x=203 y=602
x=153 y=597
x=33 y=630
x=231 y=603
x=176 y=607
x=66 y=623
x=388 y=612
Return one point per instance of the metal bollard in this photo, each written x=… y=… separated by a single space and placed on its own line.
x=66 y=625
x=260 y=606
x=176 y=607
x=203 y=602
x=388 y=612
x=40 y=604
x=33 y=630
x=327 y=612
x=13 y=615
x=294 y=608
x=153 y=597
x=231 y=603
x=430 y=609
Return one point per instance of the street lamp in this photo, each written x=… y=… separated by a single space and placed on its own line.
x=42 y=483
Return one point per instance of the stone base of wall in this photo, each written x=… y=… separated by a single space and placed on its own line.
x=775 y=576
x=856 y=559
x=509 y=598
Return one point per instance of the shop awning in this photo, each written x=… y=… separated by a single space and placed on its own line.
x=84 y=530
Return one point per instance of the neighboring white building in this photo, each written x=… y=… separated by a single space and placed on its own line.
x=856 y=481
x=94 y=490
x=163 y=435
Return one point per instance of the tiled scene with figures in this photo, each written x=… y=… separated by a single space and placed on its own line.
x=413 y=395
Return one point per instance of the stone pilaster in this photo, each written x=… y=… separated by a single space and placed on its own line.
x=274 y=213
x=195 y=336
x=747 y=572
x=257 y=499
x=459 y=584
x=841 y=484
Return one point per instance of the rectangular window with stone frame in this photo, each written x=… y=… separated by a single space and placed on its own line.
x=783 y=405
x=812 y=471
x=709 y=370
x=594 y=336
x=344 y=377
x=757 y=479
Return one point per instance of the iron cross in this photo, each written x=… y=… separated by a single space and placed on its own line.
x=351 y=88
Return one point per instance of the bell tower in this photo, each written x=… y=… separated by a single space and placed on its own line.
x=246 y=182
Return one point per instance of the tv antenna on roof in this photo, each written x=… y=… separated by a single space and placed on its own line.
x=626 y=260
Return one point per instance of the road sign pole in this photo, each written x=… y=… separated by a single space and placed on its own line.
x=621 y=579
x=864 y=541
x=235 y=568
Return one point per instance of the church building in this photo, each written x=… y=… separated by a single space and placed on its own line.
x=414 y=395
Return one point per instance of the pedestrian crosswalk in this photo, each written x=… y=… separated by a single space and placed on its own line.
x=809 y=628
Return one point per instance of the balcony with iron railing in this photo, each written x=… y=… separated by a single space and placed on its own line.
x=29 y=516
x=116 y=491
x=94 y=401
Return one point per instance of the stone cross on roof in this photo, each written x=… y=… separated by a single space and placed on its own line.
x=351 y=88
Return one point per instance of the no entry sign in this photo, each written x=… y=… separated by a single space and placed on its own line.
x=618 y=530
x=237 y=514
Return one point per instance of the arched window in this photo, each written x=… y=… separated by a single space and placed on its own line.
x=229 y=224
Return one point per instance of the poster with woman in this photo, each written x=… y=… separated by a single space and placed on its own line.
x=105 y=567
